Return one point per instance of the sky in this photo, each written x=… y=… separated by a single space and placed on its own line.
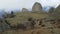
x=19 y=4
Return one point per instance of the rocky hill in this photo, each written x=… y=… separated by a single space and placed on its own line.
x=33 y=22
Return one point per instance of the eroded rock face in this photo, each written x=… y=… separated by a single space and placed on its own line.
x=37 y=7
x=24 y=10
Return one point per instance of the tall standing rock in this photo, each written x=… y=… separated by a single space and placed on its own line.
x=37 y=7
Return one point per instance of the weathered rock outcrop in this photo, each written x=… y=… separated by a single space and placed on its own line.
x=24 y=10
x=37 y=7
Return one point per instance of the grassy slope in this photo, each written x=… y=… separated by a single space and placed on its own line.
x=23 y=16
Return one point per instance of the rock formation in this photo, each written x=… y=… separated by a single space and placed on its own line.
x=54 y=13
x=24 y=10
x=37 y=7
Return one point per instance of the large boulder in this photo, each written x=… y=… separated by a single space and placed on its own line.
x=37 y=7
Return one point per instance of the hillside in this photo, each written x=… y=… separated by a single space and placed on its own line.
x=23 y=16
x=36 y=21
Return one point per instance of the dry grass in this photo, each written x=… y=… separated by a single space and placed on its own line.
x=36 y=31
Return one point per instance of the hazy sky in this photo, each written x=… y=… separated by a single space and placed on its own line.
x=18 y=4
